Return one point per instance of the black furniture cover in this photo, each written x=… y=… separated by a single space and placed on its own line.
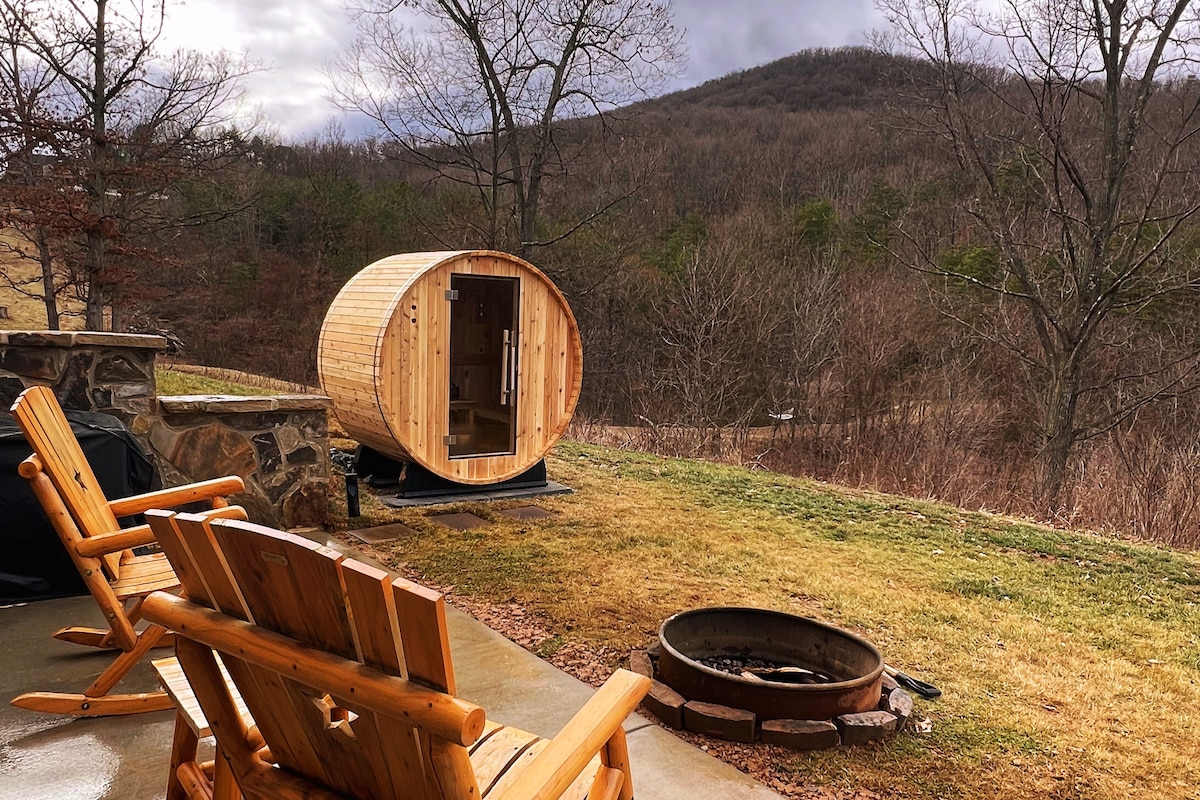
x=33 y=563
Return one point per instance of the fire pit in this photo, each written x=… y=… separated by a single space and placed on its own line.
x=777 y=665
x=750 y=674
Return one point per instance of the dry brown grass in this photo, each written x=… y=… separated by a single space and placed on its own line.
x=28 y=313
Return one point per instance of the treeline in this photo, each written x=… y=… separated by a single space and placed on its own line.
x=746 y=299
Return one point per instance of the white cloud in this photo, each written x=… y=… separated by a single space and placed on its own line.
x=291 y=41
x=724 y=37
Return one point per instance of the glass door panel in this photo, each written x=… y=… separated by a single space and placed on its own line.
x=483 y=365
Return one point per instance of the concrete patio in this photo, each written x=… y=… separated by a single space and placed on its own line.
x=46 y=757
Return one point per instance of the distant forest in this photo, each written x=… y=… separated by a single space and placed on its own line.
x=750 y=294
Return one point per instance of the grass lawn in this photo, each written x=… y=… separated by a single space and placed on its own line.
x=1070 y=663
x=183 y=379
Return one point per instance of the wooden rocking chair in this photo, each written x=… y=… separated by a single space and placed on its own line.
x=103 y=553
x=347 y=677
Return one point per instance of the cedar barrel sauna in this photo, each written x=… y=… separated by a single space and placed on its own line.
x=468 y=363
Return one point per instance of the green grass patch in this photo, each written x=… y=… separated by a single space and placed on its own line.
x=173 y=382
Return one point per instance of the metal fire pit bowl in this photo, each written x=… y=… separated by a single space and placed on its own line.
x=853 y=662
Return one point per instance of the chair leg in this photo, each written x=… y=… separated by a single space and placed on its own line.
x=95 y=637
x=608 y=785
x=96 y=700
x=183 y=751
x=615 y=755
x=225 y=786
x=78 y=705
x=133 y=609
x=123 y=663
x=194 y=782
x=88 y=637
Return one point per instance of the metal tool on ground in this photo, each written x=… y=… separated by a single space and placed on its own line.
x=926 y=690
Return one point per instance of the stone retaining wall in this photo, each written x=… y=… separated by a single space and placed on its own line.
x=108 y=372
x=279 y=445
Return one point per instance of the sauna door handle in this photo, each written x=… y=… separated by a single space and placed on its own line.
x=506 y=368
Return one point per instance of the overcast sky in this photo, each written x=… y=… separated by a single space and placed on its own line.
x=294 y=39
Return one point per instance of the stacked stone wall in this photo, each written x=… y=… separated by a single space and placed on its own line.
x=108 y=372
x=278 y=445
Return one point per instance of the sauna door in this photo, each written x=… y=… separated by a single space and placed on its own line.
x=483 y=365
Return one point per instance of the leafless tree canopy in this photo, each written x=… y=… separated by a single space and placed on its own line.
x=477 y=90
x=110 y=122
x=1074 y=125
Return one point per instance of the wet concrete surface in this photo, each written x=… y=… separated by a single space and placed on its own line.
x=52 y=757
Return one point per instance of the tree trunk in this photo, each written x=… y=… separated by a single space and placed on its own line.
x=1058 y=439
x=529 y=207
x=48 y=293
x=94 y=264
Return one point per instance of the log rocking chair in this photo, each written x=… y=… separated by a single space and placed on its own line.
x=118 y=577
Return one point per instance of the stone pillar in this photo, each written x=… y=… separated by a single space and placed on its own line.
x=279 y=445
x=108 y=372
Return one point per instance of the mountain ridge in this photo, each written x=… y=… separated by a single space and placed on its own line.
x=829 y=79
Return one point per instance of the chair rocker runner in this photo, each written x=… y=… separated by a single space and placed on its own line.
x=118 y=579
x=347 y=684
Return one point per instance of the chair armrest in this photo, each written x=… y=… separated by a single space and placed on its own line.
x=103 y=544
x=553 y=770
x=177 y=496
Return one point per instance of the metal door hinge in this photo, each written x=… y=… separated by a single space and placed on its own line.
x=449 y=439
x=452 y=294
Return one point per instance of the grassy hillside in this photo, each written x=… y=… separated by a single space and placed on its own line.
x=1070 y=662
x=28 y=313
x=177 y=379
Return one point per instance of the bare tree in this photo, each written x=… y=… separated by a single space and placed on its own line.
x=125 y=123
x=1073 y=127
x=28 y=202
x=479 y=95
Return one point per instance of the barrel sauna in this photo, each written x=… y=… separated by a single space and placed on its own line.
x=468 y=363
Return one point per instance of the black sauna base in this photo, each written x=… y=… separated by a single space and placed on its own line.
x=417 y=486
x=477 y=494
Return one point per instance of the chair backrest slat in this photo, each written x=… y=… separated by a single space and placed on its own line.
x=298 y=588
x=422 y=615
x=290 y=585
x=49 y=434
x=376 y=632
x=377 y=639
x=199 y=564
